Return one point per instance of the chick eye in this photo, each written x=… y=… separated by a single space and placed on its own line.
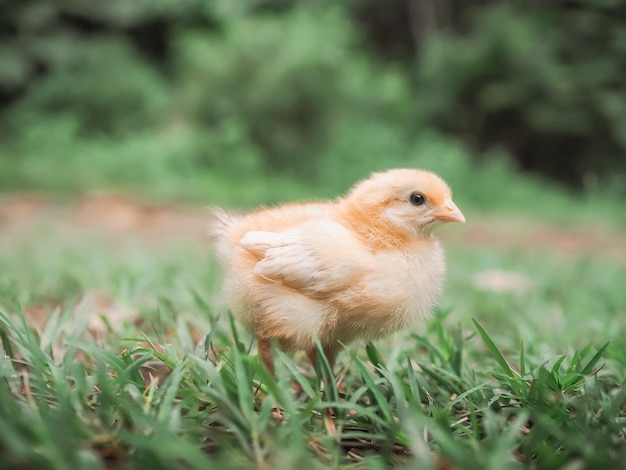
x=417 y=199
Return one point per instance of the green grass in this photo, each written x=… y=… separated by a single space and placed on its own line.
x=491 y=381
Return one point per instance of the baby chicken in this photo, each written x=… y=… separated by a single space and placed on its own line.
x=361 y=267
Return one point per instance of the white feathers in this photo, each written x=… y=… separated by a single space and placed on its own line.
x=362 y=266
x=315 y=257
x=285 y=258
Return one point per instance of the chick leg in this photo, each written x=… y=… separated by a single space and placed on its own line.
x=330 y=351
x=265 y=354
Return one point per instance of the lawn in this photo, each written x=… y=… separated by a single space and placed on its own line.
x=118 y=354
x=116 y=350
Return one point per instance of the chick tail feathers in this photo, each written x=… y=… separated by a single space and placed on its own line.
x=219 y=226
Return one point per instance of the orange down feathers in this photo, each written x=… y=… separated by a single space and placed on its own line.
x=361 y=267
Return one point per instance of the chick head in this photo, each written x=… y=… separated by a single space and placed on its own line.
x=409 y=199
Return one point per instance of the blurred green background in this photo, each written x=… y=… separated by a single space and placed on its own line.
x=516 y=103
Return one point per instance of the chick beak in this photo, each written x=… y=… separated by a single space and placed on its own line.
x=449 y=212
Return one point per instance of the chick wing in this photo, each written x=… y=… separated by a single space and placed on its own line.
x=317 y=258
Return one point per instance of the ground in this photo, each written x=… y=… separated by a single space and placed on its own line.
x=115 y=214
x=123 y=342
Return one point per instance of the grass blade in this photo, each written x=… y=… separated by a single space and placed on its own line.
x=588 y=369
x=495 y=352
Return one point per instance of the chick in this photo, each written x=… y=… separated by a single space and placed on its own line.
x=361 y=267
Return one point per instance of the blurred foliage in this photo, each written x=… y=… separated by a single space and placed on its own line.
x=81 y=89
x=272 y=81
x=133 y=93
x=546 y=83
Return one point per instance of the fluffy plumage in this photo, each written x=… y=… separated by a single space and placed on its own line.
x=361 y=267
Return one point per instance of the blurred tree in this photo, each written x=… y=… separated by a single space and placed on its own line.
x=285 y=82
x=299 y=85
x=543 y=80
x=40 y=36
